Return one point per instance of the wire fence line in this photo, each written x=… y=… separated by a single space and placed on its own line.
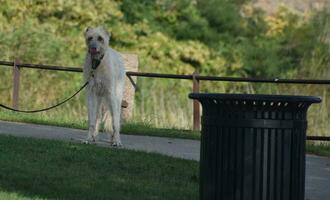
x=195 y=77
x=174 y=76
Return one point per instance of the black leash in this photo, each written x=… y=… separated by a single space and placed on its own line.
x=95 y=64
x=45 y=109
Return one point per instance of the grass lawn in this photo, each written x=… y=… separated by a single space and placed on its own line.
x=43 y=169
x=320 y=150
x=129 y=128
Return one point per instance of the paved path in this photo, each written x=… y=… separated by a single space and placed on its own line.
x=317 y=168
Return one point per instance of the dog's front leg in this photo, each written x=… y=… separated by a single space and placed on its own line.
x=93 y=113
x=115 y=110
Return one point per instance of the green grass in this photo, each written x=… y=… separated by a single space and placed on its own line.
x=15 y=196
x=130 y=128
x=320 y=149
x=43 y=169
x=144 y=129
x=36 y=118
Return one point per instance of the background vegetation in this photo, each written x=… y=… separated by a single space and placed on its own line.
x=213 y=37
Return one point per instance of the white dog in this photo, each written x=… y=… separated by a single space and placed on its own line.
x=104 y=69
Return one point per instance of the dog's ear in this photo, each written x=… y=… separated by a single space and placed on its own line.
x=105 y=31
x=87 y=29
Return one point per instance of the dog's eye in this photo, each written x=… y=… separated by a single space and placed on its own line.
x=89 y=39
x=100 y=39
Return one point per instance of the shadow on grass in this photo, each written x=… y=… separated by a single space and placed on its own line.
x=60 y=170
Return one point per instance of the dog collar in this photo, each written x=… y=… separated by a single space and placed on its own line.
x=96 y=62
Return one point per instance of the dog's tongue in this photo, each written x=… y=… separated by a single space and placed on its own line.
x=93 y=51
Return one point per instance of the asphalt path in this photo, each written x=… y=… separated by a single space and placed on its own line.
x=317 y=168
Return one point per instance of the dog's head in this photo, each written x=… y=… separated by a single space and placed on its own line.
x=97 y=41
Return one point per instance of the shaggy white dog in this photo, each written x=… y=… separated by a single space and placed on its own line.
x=104 y=69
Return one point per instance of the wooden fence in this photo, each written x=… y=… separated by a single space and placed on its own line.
x=195 y=78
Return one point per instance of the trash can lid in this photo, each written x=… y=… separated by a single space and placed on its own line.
x=255 y=97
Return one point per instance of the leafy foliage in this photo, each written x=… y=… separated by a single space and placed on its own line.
x=214 y=37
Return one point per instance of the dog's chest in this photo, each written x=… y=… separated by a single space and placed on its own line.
x=99 y=85
x=101 y=80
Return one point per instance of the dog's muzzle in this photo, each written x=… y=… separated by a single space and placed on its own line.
x=93 y=51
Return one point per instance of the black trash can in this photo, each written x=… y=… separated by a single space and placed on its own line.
x=253 y=146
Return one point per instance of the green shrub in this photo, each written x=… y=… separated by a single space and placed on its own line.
x=214 y=37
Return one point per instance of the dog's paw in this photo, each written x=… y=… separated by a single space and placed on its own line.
x=116 y=144
x=85 y=142
x=89 y=141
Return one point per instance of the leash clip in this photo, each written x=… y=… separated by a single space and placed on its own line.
x=92 y=75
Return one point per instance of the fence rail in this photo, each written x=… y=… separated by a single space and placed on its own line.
x=174 y=76
x=230 y=79
x=41 y=66
x=195 y=78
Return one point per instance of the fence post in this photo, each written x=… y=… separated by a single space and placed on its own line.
x=16 y=80
x=131 y=62
x=196 y=107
